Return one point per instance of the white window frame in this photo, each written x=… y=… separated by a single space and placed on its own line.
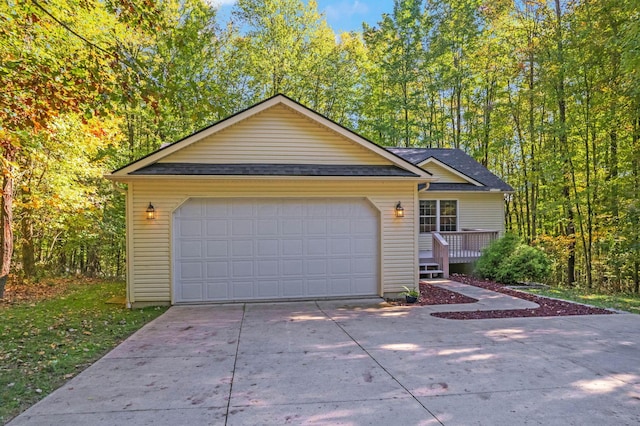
x=438 y=215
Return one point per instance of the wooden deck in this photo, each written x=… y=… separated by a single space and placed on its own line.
x=454 y=247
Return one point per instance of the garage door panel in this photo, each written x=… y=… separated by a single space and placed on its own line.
x=190 y=270
x=194 y=208
x=362 y=265
x=217 y=270
x=242 y=248
x=268 y=248
x=317 y=287
x=242 y=289
x=217 y=227
x=268 y=268
x=316 y=227
x=292 y=227
x=316 y=246
x=268 y=227
x=242 y=208
x=340 y=246
x=293 y=288
x=215 y=209
x=360 y=284
x=190 y=249
x=242 y=268
x=340 y=286
x=217 y=248
x=340 y=266
x=363 y=228
x=218 y=290
x=191 y=228
x=268 y=289
x=364 y=246
x=292 y=247
x=252 y=249
x=316 y=210
x=292 y=267
x=241 y=227
x=340 y=226
x=268 y=210
x=191 y=292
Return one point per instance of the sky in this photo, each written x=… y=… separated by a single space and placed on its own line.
x=342 y=15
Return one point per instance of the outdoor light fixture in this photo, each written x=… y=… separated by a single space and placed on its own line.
x=151 y=212
x=399 y=210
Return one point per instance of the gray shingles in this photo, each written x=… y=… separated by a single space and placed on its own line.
x=248 y=169
x=459 y=161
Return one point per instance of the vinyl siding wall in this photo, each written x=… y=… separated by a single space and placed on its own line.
x=478 y=210
x=442 y=174
x=150 y=251
x=277 y=135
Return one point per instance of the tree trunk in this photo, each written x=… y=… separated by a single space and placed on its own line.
x=567 y=166
x=28 y=250
x=6 y=218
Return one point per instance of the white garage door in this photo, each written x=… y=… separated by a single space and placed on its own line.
x=261 y=249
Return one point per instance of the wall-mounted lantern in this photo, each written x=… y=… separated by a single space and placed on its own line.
x=399 y=210
x=151 y=212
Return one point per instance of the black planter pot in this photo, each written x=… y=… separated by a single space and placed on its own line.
x=411 y=299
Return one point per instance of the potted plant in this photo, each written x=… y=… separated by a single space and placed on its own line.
x=410 y=295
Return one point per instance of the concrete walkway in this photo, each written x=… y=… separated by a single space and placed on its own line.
x=358 y=362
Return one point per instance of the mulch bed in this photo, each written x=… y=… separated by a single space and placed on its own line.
x=433 y=295
x=548 y=307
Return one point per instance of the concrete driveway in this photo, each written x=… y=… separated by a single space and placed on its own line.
x=357 y=362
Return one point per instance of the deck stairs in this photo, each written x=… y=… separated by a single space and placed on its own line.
x=429 y=269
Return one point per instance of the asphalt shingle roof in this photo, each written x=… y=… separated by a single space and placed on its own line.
x=459 y=161
x=249 y=169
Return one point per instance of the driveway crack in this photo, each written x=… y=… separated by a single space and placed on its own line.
x=235 y=363
x=378 y=363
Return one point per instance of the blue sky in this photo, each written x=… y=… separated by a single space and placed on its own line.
x=342 y=15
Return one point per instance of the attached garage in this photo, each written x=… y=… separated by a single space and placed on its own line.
x=234 y=249
x=274 y=203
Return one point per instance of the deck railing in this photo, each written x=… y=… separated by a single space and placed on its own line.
x=465 y=246
x=441 y=253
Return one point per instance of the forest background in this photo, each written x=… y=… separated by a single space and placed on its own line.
x=546 y=94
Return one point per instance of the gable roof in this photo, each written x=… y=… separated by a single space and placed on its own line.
x=478 y=176
x=158 y=162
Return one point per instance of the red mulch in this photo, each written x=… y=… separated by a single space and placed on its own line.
x=548 y=307
x=432 y=295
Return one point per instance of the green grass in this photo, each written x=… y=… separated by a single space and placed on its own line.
x=44 y=344
x=623 y=302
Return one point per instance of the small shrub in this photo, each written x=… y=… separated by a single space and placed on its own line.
x=526 y=263
x=508 y=260
x=492 y=256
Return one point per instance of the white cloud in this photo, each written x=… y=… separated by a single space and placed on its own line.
x=346 y=9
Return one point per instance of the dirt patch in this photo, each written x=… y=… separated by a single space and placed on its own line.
x=548 y=307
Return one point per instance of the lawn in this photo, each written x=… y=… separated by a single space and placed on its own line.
x=46 y=341
x=623 y=302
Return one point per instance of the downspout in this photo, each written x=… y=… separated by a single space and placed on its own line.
x=127 y=280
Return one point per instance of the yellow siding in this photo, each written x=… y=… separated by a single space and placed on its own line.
x=277 y=135
x=443 y=175
x=151 y=251
x=478 y=210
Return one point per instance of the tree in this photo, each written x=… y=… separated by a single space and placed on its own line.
x=41 y=78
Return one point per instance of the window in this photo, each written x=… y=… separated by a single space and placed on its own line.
x=438 y=215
